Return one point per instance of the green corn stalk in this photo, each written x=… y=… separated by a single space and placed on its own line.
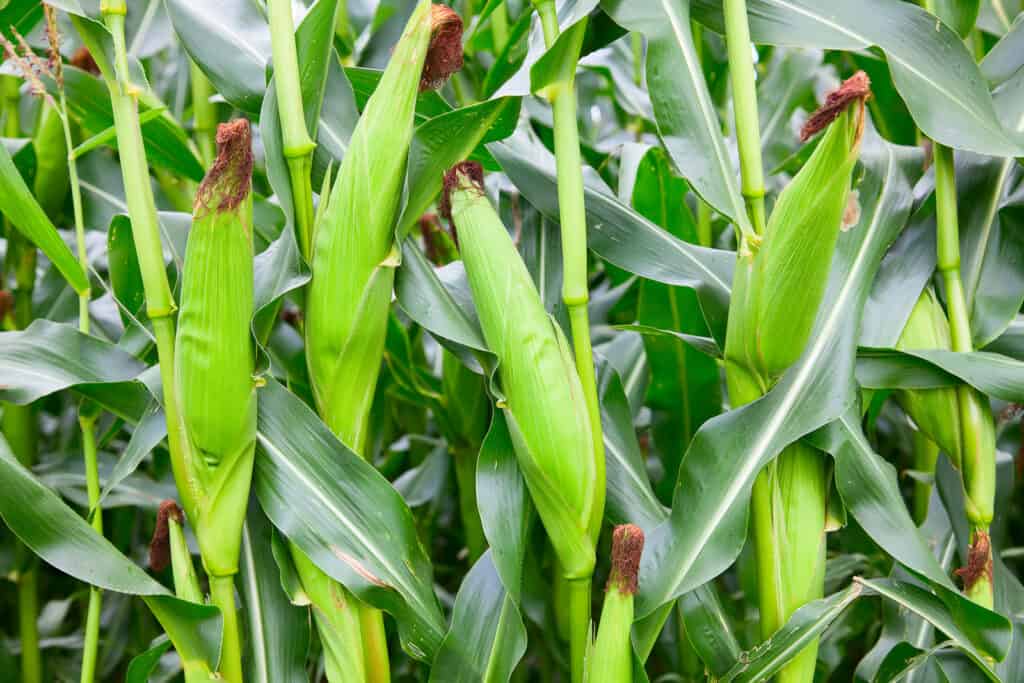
x=543 y=399
x=215 y=364
x=779 y=283
x=575 y=294
x=353 y=260
x=612 y=658
x=977 y=452
x=19 y=422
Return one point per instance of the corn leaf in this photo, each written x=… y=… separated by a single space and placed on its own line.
x=931 y=66
x=620 y=235
x=317 y=492
x=278 y=631
x=805 y=625
x=990 y=373
x=65 y=540
x=487 y=637
x=687 y=119
x=24 y=212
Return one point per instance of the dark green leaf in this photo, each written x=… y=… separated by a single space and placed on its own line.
x=317 y=492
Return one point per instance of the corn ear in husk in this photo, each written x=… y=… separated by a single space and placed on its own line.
x=353 y=243
x=543 y=396
x=780 y=283
x=214 y=350
x=936 y=412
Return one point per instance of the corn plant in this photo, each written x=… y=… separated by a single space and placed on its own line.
x=511 y=340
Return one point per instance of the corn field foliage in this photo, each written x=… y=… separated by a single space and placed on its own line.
x=511 y=340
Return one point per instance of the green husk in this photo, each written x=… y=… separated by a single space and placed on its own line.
x=353 y=241
x=612 y=655
x=543 y=397
x=779 y=288
x=214 y=348
x=936 y=412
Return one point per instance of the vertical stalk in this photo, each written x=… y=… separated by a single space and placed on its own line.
x=297 y=145
x=90 y=649
x=204 y=114
x=222 y=594
x=86 y=413
x=978 y=448
x=575 y=294
x=744 y=98
x=19 y=422
x=160 y=304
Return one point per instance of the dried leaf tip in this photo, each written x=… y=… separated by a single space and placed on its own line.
x=462 y=176
x=229 y=179
x=627 y=547
x=160 y=546
x=979 y=561
x=856 y=88
x=444 y=57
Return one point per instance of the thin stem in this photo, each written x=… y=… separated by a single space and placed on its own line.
x=744 y=98
x=579 y=625
x=28 y=609
x=575 y=294
x=149 y=249
x=222 y=594
x=573 y=219
x=87 y=423
x=204 y=114
x=90 y=649
x=978 y=448
x=297 y=145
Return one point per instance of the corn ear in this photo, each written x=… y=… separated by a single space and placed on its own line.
x=214 y=350
x=780 y=287
x=936 y=412
x=353 y=243
x=543 y=396
x=612 y=658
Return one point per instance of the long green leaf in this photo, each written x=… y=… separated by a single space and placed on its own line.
x=487 y=637
x=805 y=625
x=931 y=66
x=620 y=235
x=65 y=540
x=24 y=212
x=687 y=119
x=319 y=493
